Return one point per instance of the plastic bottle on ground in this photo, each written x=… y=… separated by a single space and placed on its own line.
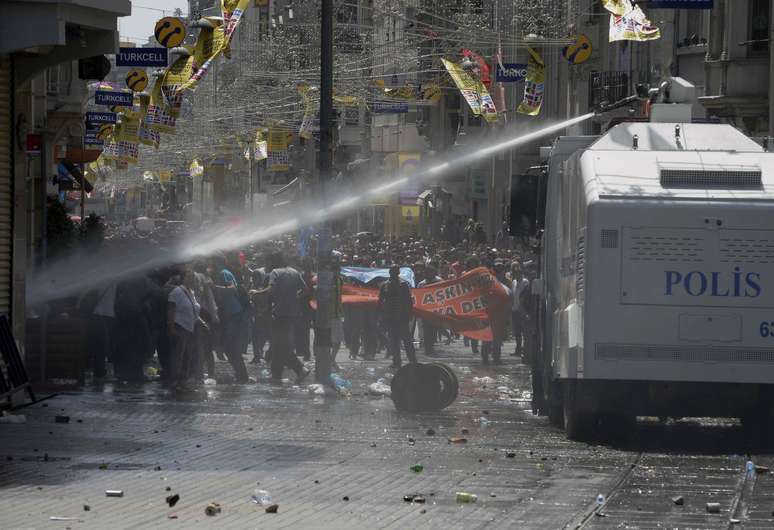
x=465 y=497
x=261 y=497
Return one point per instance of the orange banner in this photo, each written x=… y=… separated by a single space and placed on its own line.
x=466 y=305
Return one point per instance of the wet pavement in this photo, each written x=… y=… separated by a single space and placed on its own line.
x=337 y=461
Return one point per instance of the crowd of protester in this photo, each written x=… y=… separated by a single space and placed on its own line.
x=186 y=316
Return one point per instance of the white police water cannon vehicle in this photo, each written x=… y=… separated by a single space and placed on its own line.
x=657 y=281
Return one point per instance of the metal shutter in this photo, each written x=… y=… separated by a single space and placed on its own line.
x=6 y=179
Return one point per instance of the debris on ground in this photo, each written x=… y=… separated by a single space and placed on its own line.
x=261 y=497
x=171 y=516
x=464 y=497
x=380 y=388
x=114 y=493
x=62 y=419
x=172 y=500
x=483 y=381
x=464 y=431
x=713 y=507
x=483 y=421
x=274 y=508
x=210 y=382
x=417 y=468
x=510 y=455
x=419 y=499
x=345 y=498
x=59 y=518
x=457 y=440
x=212 y=509
x=679 y=500
x=423 y=511
x=317 y=389
x=86 y=508
x=13 y=418
x=430 y=432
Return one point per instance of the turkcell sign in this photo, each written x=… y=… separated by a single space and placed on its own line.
x=141 y=57
x=113 y=98
x=681 y=4
x=100 y=117
x=511 y=72
x=738 y=284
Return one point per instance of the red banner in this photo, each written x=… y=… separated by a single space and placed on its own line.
x=465 y=305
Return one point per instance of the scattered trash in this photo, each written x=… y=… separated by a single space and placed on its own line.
x=210 y=382
x=483 y=381
x=760 y=470
x=493 y=495
x=58 y=518
x=734 y=521
x=114 y=493
x=212 y=509
x=340 y=383
x=679 y=500
x=261 y=497
x=466 y=498
x=713 y=507
x=373 y=444
x=417 y=498
x=62 y=419
x=171 y=516
x=380 y=388
x=274 y=508
x=345 y=498
x=317 y=389
x=457 y=440
x=86 y=508
x=430 y=432
x=316 y=481
x=600 y=500
x=483 y=421
x=510 y=455
x=13 y=418
x=172 y=500
x=417 y=468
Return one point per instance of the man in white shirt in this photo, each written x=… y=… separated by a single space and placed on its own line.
x=519 y=288
x=182 y=317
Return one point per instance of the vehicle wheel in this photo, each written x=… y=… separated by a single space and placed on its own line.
x=555 y=405
x=577 y=425
x=416 y=387
x=449 y=383
x=538 y=398
x=618 y=427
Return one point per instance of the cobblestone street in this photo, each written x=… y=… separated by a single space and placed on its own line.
x=336 y=462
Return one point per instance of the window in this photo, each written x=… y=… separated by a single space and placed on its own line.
x=759 y=27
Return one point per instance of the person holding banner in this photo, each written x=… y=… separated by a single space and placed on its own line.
x=396 y=304
x=429 y=332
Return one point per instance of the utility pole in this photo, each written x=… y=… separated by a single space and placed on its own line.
x=322 y=332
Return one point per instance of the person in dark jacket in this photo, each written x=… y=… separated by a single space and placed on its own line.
x=396 y=304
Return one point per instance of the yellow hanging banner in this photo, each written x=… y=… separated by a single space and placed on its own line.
x=473 y=90
x=534 y=85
